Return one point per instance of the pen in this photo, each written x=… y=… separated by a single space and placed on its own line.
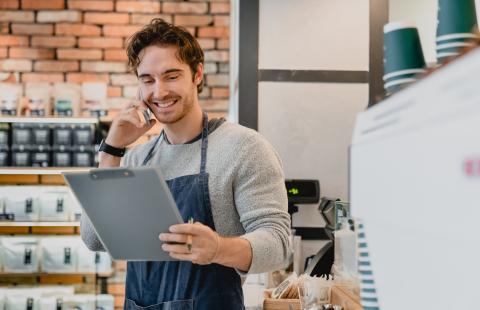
x=189 y=237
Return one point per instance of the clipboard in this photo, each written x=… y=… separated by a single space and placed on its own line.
x=128 y=208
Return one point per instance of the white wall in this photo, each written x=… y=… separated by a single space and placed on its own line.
x=310 y=124
x=314 y=34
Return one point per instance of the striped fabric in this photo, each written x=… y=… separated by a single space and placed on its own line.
x=368 y=293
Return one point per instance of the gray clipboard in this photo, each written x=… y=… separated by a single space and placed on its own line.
x=128 y=208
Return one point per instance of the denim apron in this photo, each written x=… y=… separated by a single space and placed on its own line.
x=182 y=285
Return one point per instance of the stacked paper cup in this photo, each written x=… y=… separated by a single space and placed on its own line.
x=457 y=24
x=403 y=56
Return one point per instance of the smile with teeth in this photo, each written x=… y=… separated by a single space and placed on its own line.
x=165 y=104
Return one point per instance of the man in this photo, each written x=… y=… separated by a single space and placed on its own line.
x=224 y=176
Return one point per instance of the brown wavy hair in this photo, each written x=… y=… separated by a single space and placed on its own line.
x=161 y=33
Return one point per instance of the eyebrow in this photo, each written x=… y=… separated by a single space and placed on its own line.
x=166 y=72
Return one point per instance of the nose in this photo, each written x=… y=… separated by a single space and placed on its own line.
x=160 y=90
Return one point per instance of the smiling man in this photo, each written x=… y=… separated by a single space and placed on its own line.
x=226 y=177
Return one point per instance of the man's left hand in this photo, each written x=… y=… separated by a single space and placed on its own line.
x=205 y=243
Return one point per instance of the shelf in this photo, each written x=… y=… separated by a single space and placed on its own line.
x=42 y=171
x=39 y=224
x=44 y=274
x=49 y=120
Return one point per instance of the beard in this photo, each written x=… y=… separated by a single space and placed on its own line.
x=182 y=107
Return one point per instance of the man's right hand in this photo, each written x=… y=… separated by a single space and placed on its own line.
x=128 y=125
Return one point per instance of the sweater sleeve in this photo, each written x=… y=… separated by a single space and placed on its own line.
x=262 y=203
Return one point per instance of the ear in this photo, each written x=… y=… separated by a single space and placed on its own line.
x=199 y=74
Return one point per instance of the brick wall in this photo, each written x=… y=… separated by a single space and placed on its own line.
x=84 y=40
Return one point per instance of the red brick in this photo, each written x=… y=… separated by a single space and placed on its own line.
x=86 y=5
x=221 y=20
x=56 y=66
x=87 y=77
x=74 y=53
x=113 y=91
x=214 y=32
x=4 y=27
x=120 y=31
x=3 y=52
x=42 y=77
x=217 y=79
x=53 y=41
x=206 y=44
x=220 y=92
x=214 y=104
x=32 y=29
x=19 y=65
x=193 y=20
x=185 y=7
x=103 y=66
x=116 y=54
x=17 y=16
x=9 y=40
x=138 y=6
x=106 y=18
x=218 y=8
x=100 y=42
x=9 y=4
x=124 y=79
x=31 y=53
x=59 y=16
x=217 y=56
x=43 y=5
x=77 y=29
x=223 y=44
x=143 y=19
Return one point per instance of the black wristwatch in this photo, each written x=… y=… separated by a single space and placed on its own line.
x=115 y=151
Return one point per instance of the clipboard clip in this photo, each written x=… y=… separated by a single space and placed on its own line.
x=100 y=174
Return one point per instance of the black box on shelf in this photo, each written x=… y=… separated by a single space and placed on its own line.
x=41 y=134
x=83 y=156
x=83 y=134
x=41 y=156
x=4 y=134
x=4 y=156
x=21 y=134
x=61 y=156
x=21 y=156
x=62 y=135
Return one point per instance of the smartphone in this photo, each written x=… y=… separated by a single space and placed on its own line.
x=147 y=114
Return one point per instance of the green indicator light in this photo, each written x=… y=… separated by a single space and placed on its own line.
x=293 y=191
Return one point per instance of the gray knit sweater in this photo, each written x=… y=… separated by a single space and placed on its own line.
x=246 y=186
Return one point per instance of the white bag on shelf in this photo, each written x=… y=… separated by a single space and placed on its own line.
x=79 y=302
x=55 y=204
x=19 y=254
x=55 y=290
x=23 y=202
x=2 y=298
x=89 y=261
x=105 y=302
x=58 y=254
x=24 y=300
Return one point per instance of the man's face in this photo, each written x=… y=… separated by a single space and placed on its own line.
x=166 y=83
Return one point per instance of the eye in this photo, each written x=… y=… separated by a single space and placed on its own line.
x=147 y=81
x=172 y=77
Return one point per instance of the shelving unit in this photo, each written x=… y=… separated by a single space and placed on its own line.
x=85 y=282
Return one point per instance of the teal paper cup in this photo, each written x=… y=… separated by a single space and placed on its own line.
x=402 y=48
x=456 y=17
